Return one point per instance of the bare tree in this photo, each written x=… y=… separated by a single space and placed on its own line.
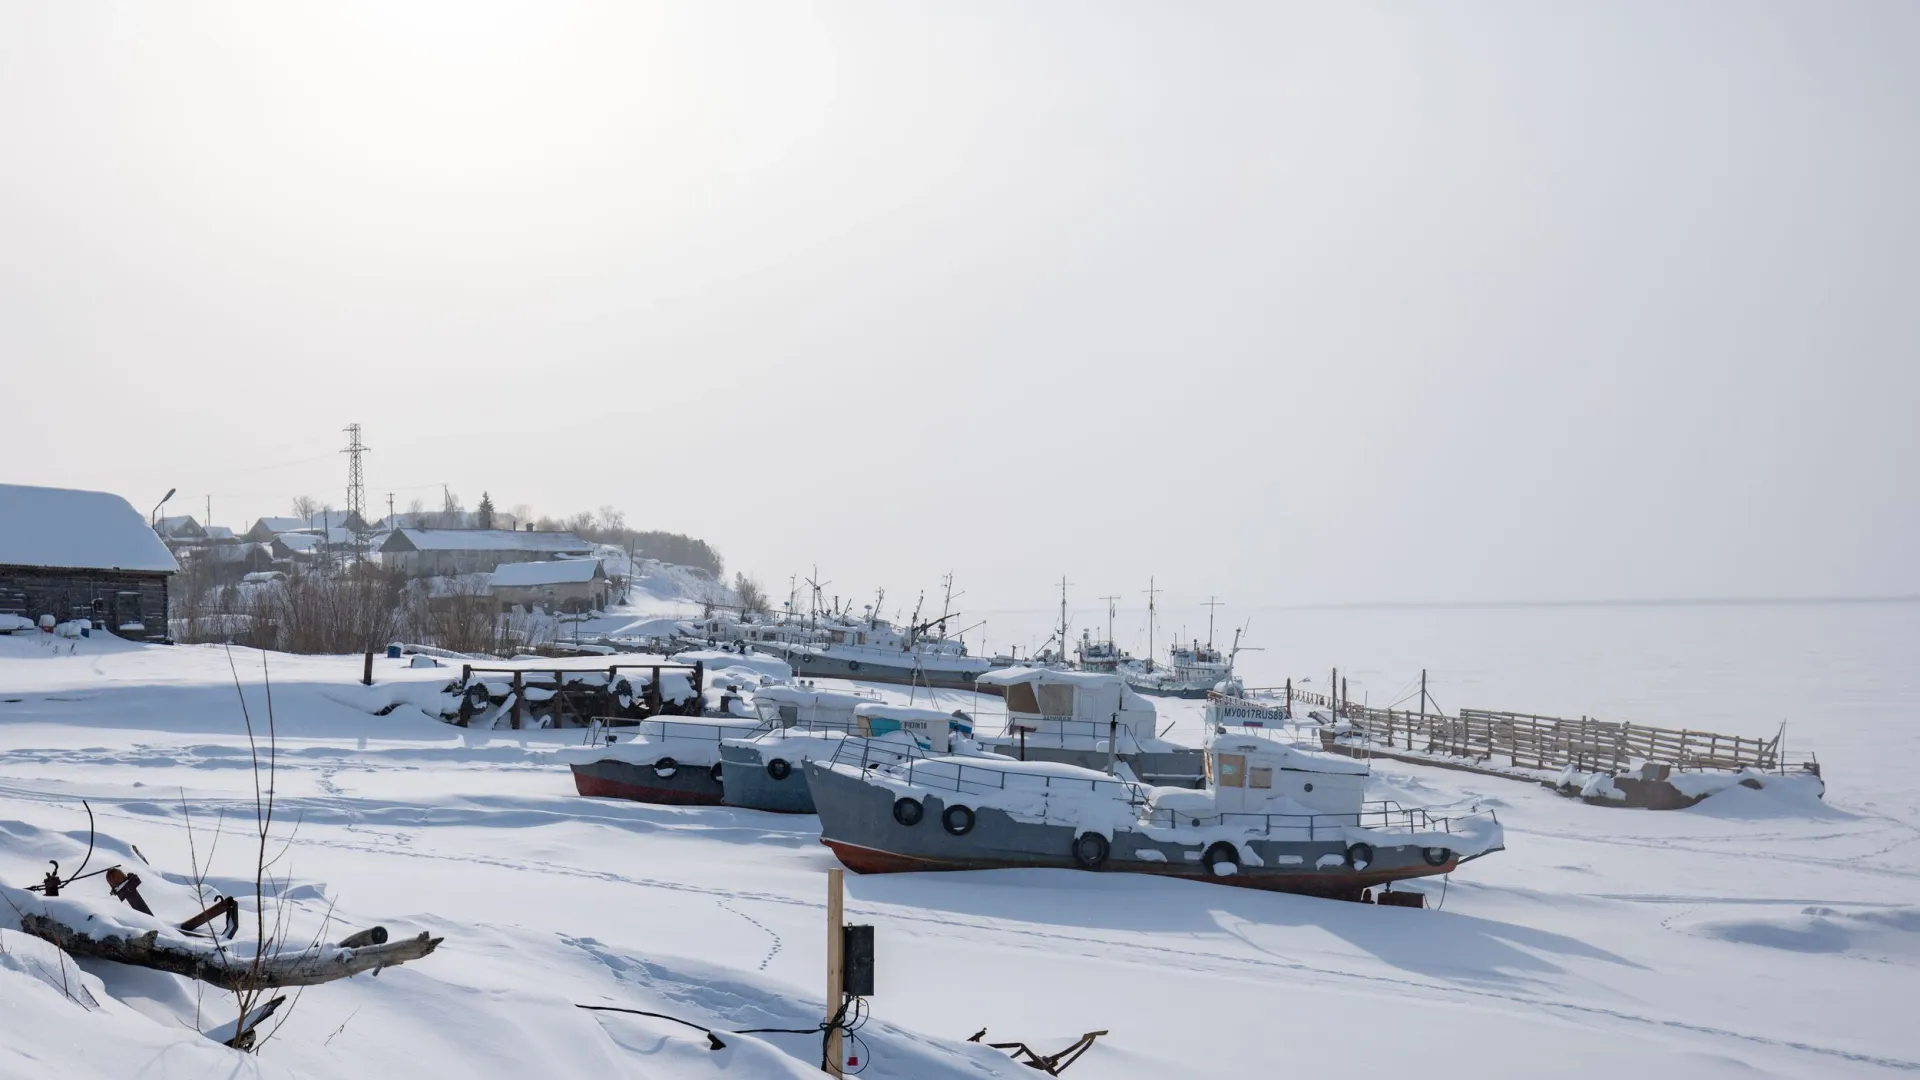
x=305 y=506
x=752 y=597
x=609 y=519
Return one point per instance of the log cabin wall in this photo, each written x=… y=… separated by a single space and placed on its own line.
x=111 y=598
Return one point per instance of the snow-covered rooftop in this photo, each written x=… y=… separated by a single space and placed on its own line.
x=91 y=530
x=559 y=572
x=483 y=540
x=327 y=519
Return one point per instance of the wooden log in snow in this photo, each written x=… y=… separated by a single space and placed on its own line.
x=307 y=967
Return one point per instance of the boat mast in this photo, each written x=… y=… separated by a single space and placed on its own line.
x=1110 y=600
x=1213 y=602
x=1063 y=618
x=1150 y=611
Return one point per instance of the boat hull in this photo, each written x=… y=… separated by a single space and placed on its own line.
x=750 y=784
x=812 y=664
x=857 y=822
x=687 y=785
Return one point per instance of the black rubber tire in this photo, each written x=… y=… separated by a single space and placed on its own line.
x=477 y=696
x=665 y=767
x=622 y=693
x=779 y=769
x=714 y=771
x=1220 y=852
x=908 y=812
x=1090 y=850
x=957 y=820
x=1435 y=856
x=853 y=665
x=1359 y=856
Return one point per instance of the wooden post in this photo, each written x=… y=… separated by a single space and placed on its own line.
x=366 y=677
x=1423 y=707
x=1289 y=696
x=519 y=698
x=836 y=917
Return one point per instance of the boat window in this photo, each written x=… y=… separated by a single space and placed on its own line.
x=1056 y=701
x=1260 y=776
x=1020 y=699
x=1233 y=771
x=789 y=715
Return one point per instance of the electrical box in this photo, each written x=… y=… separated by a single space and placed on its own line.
x=856 y=960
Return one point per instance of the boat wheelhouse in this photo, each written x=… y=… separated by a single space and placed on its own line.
x=1088 y=719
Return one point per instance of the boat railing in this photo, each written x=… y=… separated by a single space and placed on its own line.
x=1386 y=816
x=1063 y=727
x=693 y=730
x=915 y=766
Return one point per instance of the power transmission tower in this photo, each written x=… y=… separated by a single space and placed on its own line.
x=356 y=488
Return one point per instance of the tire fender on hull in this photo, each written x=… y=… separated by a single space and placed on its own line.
x=1090 y=850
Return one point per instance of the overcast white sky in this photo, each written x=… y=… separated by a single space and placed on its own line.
x=1288 y=303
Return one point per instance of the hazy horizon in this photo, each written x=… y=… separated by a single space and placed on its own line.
x=1292 y=304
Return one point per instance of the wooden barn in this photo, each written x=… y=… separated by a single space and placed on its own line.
x=561 y=585
x=82 y=554
x=451 y=552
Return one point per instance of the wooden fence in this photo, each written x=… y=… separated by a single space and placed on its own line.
x=1549 y=742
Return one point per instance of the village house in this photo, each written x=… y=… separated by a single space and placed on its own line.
x=180 y=528
x=560 y=585
x=82 y=555
x=345 y=521
x=451 y=552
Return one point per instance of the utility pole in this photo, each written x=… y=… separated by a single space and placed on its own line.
x=389 y=509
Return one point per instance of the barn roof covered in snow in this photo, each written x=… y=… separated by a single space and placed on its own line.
x=560 y=572
x=482 y=540
x=80 y=530
x=326 y=519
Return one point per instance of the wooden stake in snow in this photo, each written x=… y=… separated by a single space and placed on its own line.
x=836 y=915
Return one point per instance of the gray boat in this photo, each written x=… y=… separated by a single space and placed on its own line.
x=762 y=770
x=675 y=762
x=1272 y=817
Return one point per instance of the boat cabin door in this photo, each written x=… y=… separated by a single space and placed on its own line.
x=1240 y=785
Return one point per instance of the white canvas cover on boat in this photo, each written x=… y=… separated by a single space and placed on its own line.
x=1069 y=702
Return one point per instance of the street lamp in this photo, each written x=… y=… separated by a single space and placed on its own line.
x=153 y=519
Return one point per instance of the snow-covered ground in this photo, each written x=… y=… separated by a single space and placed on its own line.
x=1755 y=935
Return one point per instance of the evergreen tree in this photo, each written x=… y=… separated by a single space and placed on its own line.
x=484 y=516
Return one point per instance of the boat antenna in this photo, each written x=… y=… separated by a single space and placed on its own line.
x=1110 y=600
